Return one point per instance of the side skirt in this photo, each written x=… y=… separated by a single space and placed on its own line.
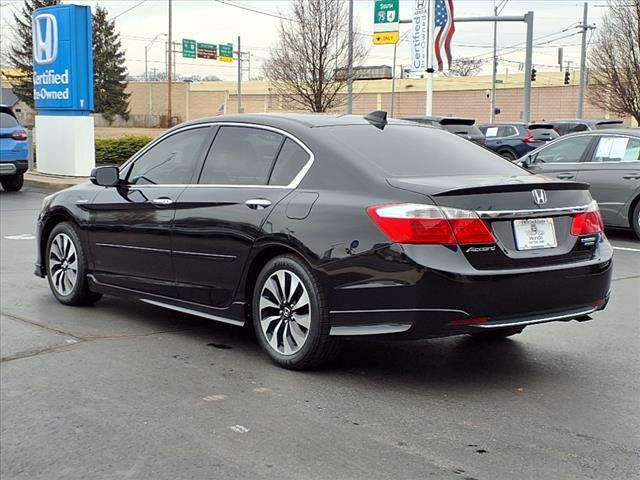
x=233 y=315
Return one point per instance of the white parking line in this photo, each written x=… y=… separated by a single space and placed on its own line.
x=627 y=249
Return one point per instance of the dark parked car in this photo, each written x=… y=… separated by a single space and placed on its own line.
x=463 y=127
x=609 y=161
x=313 y=228
x=564 y=127
x=14 y=150
x=513 y=140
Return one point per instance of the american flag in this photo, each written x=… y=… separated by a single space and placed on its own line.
x=446 y=28
x=220 y=111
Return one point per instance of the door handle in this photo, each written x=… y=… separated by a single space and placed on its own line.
x=632 y=176
x=258 y=203
x=566 y=176
x=162 y=201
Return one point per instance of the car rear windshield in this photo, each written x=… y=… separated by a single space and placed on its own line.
x=7 y=121
x=416 y=151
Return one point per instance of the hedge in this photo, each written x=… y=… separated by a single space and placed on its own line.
x=117 y=150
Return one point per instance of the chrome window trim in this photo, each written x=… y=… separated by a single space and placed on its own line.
x=292 y=185
x=493 y=214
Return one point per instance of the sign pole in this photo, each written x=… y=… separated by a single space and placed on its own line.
x=393 y=79
x=350 y=62
x=432 y=28
x=239 y=77
x=170 y=47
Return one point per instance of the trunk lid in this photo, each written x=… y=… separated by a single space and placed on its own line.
x=508 y=205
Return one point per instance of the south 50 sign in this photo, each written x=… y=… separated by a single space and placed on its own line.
x=63 y=60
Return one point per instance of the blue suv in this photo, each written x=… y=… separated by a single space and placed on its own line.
x=14 y=150
x=515 y=140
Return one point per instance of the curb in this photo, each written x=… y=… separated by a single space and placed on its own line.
x=51 y=182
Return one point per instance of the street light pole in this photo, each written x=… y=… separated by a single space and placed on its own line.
x=495 y=67
x=240 y=110
x=350 y=62
x=583 y=62
x=169 y=114
x=146 y=50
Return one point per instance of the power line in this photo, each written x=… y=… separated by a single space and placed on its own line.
x=129 y=9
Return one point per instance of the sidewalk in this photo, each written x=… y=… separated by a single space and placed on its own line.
x=33 y=178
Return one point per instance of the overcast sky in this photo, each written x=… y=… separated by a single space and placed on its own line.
x=212 y=21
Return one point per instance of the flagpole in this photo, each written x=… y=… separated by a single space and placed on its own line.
x=432 y=28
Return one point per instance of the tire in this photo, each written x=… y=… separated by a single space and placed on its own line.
x=635 y=220
x=13 y=183
x=508 y=155
x=293 y=331
x=499 y=334
x=66 y=266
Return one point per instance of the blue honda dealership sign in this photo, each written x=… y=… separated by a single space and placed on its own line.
x=63 y=60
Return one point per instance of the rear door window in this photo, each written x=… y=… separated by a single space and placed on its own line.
x=291 y=159
x=241 y=156
x=570 y=150
x=617 y=149
x=415 y=151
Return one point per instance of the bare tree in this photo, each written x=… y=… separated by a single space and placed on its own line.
x=614 y=60
x=304 y=66
x=464 y=67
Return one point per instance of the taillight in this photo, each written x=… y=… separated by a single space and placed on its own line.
x=529 y=138
x=587 y=222
x=428 y=224
x=19 y=135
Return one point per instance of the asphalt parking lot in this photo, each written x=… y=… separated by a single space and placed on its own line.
x=124 y=390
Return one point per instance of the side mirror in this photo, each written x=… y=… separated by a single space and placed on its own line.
x=105 y=176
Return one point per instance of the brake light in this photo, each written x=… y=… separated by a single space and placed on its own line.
x=428 y=224
x=529 y=138
x=19 y=135
x=587 y=222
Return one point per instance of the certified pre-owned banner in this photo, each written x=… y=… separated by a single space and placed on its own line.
x=419 y=31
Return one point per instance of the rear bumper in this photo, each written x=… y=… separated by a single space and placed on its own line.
x=422 y=302
x=13 y=167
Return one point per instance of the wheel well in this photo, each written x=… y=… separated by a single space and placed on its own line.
x=257 y=265
x=49 y=225
x=632 y=207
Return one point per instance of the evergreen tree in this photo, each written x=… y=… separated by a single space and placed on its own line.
x=109 y=72
x=21 y=51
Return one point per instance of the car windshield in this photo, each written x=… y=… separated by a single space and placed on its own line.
x=415 y=151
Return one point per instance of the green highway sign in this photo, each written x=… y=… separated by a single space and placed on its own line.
x=189 y=48
x=499 y=81
x=225 y=52
x=208 y=51
x=386 y=12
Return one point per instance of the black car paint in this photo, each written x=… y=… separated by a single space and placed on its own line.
x=217 y=245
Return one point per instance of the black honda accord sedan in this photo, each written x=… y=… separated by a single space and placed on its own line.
x=312 y=228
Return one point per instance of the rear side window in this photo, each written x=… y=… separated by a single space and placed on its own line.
x=170 y=162
x=290 y=161
x=241 y=156
x=415 y=151
x=506 y=131
x=7 y=120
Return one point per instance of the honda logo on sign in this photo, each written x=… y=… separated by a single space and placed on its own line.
x=45 y=39
x=539 y=196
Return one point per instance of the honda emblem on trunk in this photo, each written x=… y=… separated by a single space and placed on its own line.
x=539 y=196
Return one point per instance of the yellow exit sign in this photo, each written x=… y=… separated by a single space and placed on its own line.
x=385 y=38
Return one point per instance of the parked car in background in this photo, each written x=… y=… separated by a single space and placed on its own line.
x=463 y=127
x=513 y=140
x=609 y=161
x=14 y=150
x=314 y=228
x=564 y=127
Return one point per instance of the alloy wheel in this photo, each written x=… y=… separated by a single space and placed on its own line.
x=63 y=264
x=285 y=312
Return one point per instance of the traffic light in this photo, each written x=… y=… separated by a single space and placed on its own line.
x=567 y=77
x=533 y=74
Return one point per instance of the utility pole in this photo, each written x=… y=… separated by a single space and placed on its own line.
x=583 y=61
x=240 y=109
x=495 y=67
x=432 y=28
x=169 y=114
x=393 y=78
x=350 y=62
x=528 y=65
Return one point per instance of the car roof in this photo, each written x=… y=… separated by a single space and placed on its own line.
x=631 y=132
x=298 y=119
x=586 y=120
